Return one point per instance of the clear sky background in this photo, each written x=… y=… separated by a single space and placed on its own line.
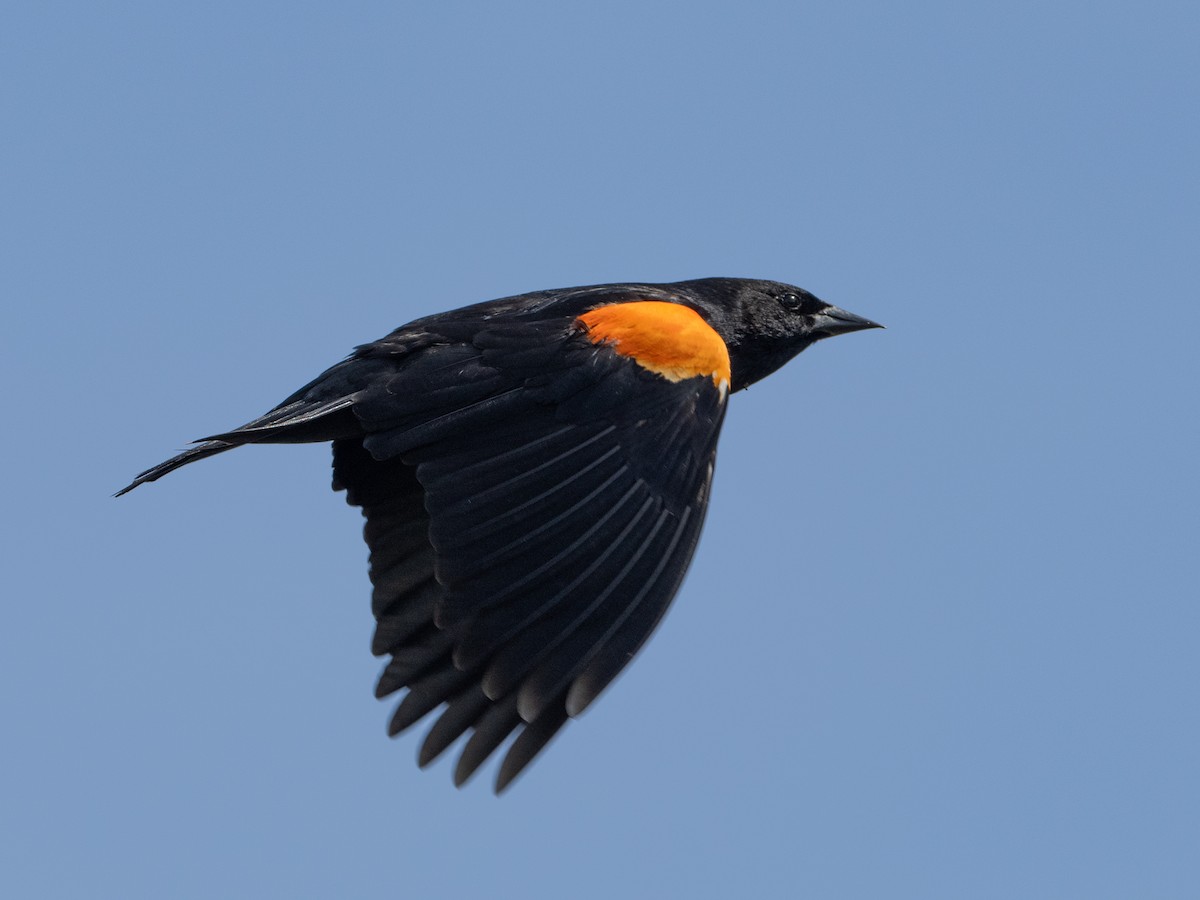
x=940 y=639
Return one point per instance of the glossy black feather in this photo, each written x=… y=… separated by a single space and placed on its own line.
x=496 y=723
x=461 y=713
x=532 y=740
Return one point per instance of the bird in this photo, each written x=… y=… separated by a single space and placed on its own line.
x=534 y=472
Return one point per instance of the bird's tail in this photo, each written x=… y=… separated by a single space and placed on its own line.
x=200 y=451
x=294 y=421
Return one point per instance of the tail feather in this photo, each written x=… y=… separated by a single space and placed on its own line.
x=293 y=422
x=298 y=422
x=200 y=451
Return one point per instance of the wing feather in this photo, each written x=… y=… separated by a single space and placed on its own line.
x=496 y=723
x=529 y=646
x=460 y=714
x=532 y=503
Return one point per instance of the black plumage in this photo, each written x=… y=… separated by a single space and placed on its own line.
x=534 y=473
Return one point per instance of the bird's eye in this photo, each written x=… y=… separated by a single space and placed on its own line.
x=790 y=300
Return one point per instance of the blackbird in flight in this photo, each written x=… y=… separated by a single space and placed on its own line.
x=534 y=472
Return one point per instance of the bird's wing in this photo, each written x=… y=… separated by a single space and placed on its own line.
x=534 y=493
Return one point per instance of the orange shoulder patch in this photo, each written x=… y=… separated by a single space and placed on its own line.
x=666 y=338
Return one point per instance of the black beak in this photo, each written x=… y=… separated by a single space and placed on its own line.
x=832 y=321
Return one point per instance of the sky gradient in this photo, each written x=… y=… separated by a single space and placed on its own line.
x=939 y=639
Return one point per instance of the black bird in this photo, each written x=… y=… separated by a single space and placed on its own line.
x=534 y=472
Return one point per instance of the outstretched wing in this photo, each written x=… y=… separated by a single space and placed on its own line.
x=534 y=492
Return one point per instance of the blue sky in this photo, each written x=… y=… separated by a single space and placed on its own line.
x=940 y=637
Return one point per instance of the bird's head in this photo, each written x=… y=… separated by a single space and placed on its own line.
x=765 y=323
